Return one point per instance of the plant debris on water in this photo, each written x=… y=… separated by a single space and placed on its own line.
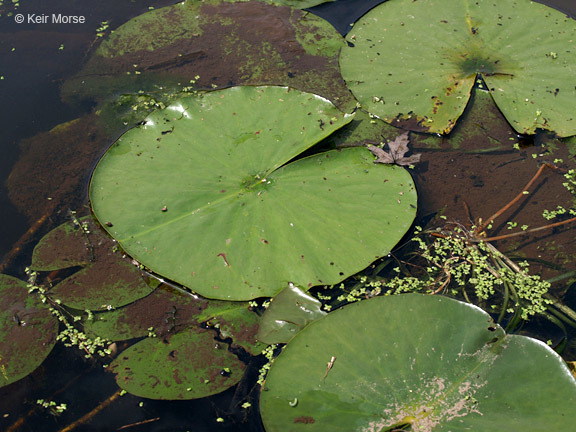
x=396 y=152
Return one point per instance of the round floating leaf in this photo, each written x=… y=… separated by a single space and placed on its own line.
x=110 y=282
x=300 y=4
x=429 y=362
x=63 y=247
x=27 y=330
x=166 y=311
x=161 y=312
x=107 y=280
x=200 y=194
x=213 y=43
x=414 y=63
x=186 y=365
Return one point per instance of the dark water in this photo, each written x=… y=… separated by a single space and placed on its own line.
x=34 y=67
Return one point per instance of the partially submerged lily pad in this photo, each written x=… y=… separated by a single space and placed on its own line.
x=65 y=246
x=185 y=365
x=481 y=129
x=59 y=161
x=300 y=4
x=414 y=63
x=167 y=311
x=28 y=330
x=214 y=43
x=106 y=280
x=426 y=362
x=235 y=322
x=200 y=194
x=163 y=312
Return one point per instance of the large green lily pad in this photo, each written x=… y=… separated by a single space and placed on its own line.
x=27 y=330
x=429 y=362
x=186 y=365
x=201 y=194
x=413 y=63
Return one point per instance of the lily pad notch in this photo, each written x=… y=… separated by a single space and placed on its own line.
x=202 y=193
x=413 y=64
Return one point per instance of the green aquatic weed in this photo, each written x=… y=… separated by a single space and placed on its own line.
x=70 y=335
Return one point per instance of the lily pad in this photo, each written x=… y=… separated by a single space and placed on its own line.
x=300 y=4
x=185 y=365
x=201 y=194
x=65 y=246
x=414 y=63
x=481 y=129
x=427 y=362
x=106 y=279
x=162 y=312
x=167 y=311
x=289 y=312
x=236 y=322
x=28 y=330
x=364 y=130
x=214 y=43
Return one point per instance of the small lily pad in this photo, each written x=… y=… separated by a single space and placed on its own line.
x=428 y=363
x=237 y=322
x=108 y=283
x=162 y=312
x=289 y=312
x=413 y=63
x=63 y=247
x=106 y=280
x=28 y=330
x=185 y=365
x=167 y=311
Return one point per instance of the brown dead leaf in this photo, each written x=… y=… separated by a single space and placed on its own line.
x=395 y=152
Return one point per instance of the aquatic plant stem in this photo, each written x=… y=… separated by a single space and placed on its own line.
x=491 y=219
x=561 y=317
x=92 y=413
x=23 y=241
x=20 y=422
x=528 y=231
x=139 y=423
x=569 y=313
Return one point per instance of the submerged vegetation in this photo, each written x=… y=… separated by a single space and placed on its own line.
x=267 y=225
